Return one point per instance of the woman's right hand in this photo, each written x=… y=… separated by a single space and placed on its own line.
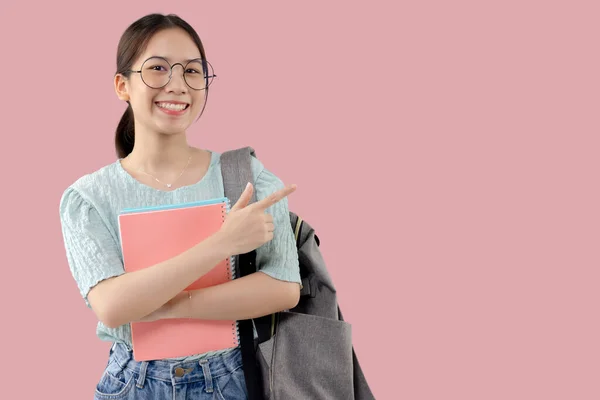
x=248 y=227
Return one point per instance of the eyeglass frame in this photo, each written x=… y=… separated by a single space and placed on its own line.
x=203 y=61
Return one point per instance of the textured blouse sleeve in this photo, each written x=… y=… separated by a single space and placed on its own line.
x=92 y=252
x=277 y=258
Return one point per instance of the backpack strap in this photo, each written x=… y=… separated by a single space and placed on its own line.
x=236 y=170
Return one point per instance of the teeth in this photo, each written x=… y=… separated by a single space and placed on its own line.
x=171 y=106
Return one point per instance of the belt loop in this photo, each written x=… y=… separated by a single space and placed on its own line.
x=142 y=377
x=207 y=376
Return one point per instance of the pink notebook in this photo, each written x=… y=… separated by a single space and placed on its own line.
x=154 y=234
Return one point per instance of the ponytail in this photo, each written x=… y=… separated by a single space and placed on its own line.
x=125 y=134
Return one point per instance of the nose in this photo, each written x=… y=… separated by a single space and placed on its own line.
x=177 y=83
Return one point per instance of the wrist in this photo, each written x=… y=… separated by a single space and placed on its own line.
x=221 y=245
x=180 y=306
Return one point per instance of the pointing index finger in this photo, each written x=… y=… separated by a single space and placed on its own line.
x=275 y=197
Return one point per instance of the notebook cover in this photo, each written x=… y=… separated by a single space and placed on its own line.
x=155 y=234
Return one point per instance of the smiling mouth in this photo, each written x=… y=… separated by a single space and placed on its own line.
x=172 y=106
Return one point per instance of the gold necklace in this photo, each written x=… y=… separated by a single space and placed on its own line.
x=168 y=184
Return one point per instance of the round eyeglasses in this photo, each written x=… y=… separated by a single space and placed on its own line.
x=156 y=73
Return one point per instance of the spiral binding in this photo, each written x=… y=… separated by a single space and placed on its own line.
x=235 y=329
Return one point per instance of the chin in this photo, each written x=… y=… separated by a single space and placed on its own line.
x=172 y=129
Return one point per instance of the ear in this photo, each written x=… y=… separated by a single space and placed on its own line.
x=121 y=87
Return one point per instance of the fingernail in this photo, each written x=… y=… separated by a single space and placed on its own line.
x=248 y=185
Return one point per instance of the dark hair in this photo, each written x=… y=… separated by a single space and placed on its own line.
x=132 y=44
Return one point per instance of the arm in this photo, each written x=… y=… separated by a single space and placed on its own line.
x=252 y=296
x=95 y=261
x=128 y=297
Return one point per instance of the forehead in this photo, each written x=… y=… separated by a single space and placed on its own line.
x=175 y=45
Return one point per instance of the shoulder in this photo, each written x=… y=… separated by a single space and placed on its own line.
x=265 y=177
x=257 y=166
x=90 y=189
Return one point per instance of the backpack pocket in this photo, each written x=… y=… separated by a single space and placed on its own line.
x=309 y=357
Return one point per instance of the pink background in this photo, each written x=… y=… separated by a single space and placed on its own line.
x=458 y=139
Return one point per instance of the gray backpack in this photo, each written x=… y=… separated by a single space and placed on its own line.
x=306 y=352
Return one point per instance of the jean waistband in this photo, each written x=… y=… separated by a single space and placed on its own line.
x=178 y=371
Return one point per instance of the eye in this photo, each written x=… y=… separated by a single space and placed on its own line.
x=157 y=68
x=192 y=71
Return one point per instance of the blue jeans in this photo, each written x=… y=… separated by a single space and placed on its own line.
x=219 y=377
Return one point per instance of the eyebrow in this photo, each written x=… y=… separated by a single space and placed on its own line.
x=184 y=61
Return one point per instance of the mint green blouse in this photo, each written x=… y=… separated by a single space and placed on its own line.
x=89 y=209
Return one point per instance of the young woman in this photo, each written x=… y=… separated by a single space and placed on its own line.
x=163 y=75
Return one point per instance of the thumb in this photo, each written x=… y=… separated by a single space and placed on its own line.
x=244 y=198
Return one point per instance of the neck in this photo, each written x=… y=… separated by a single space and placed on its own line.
x=159 y=153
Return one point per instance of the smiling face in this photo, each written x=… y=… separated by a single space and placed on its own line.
x=172 y=108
